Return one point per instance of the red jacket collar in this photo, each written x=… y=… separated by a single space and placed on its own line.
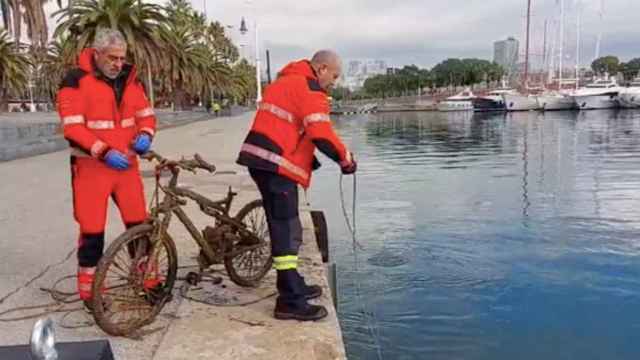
x=85 y=62
x=302 y=67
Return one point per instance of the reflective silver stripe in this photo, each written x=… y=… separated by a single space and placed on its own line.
x=73 y=119
x=97 y=148
x=149 y=130
x=85 y=286
x=100 y=124
x=274 y=158
x=316 y=117
x=128 y=122
x=277 y=111
x=145 y=112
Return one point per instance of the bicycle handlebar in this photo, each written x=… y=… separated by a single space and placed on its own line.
x=190 y=165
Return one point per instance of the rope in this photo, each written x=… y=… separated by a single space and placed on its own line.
x=370 y=317
x=41 y=274
x=61 y=302
x=352 y=228
x=184 y=289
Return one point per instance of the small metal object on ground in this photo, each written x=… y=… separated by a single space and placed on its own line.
x=84 y=350
x=43 y=340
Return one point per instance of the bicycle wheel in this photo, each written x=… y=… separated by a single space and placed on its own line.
x=134 y=280
x=247 y=268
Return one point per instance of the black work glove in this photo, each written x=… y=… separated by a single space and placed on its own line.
x=351 y=167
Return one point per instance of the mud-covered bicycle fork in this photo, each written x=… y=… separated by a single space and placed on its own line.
x=230 y=196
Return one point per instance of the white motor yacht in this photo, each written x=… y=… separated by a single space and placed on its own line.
x=600 y=94
x=629 y=97
x=462 y=101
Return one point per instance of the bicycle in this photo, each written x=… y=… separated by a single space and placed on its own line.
x=135 y=277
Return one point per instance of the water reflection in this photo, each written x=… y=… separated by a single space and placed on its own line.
x=491 y=236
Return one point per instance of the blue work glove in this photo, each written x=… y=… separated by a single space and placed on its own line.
x=116 y=160
x=142 y=143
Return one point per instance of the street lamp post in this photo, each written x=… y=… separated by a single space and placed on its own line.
x=258 y=82
x=243 y=30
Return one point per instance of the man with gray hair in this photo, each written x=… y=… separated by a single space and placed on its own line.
x=108 y=121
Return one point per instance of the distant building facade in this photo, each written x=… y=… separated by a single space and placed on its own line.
x=505 y=53
x=357 y=71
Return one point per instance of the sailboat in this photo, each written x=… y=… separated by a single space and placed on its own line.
x=553 y=100
x=558 y=100
x=518 y=101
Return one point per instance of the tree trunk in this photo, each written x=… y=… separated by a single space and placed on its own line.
x=4 y=102
x=17 y=22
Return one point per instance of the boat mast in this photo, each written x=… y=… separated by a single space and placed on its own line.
x=551 y=69
x=578 y=44
x=561 y=44
x=526 y=55
x=601 y=15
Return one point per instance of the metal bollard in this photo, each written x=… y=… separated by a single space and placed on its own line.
x=333 y=283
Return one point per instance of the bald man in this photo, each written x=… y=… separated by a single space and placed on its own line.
x=291 y=122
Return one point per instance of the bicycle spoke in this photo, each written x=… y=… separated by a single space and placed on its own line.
x=116 y=268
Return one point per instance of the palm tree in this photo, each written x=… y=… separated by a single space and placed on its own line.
x=11 y=15
x=243 y=81
x=53 y=65
x=31 y=12
x=14 y=66
x=36 y=23
x=191 y=65
x=221 y=46
x=187 y=55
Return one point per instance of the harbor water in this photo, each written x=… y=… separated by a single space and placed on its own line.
x=488 y=236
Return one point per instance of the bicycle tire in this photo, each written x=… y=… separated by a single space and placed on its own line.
x=160 y=294
x=266 y=261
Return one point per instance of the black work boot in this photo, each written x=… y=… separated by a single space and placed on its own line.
x=309 y=291
x=292 y=302
x=298 y=310
x=312 y=292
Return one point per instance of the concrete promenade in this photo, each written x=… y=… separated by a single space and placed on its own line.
x=37 y=248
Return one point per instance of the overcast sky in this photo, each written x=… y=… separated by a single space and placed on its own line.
x=422 y=32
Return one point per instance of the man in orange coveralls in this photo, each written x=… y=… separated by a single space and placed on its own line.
x=108 y=121
x=291 y=122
